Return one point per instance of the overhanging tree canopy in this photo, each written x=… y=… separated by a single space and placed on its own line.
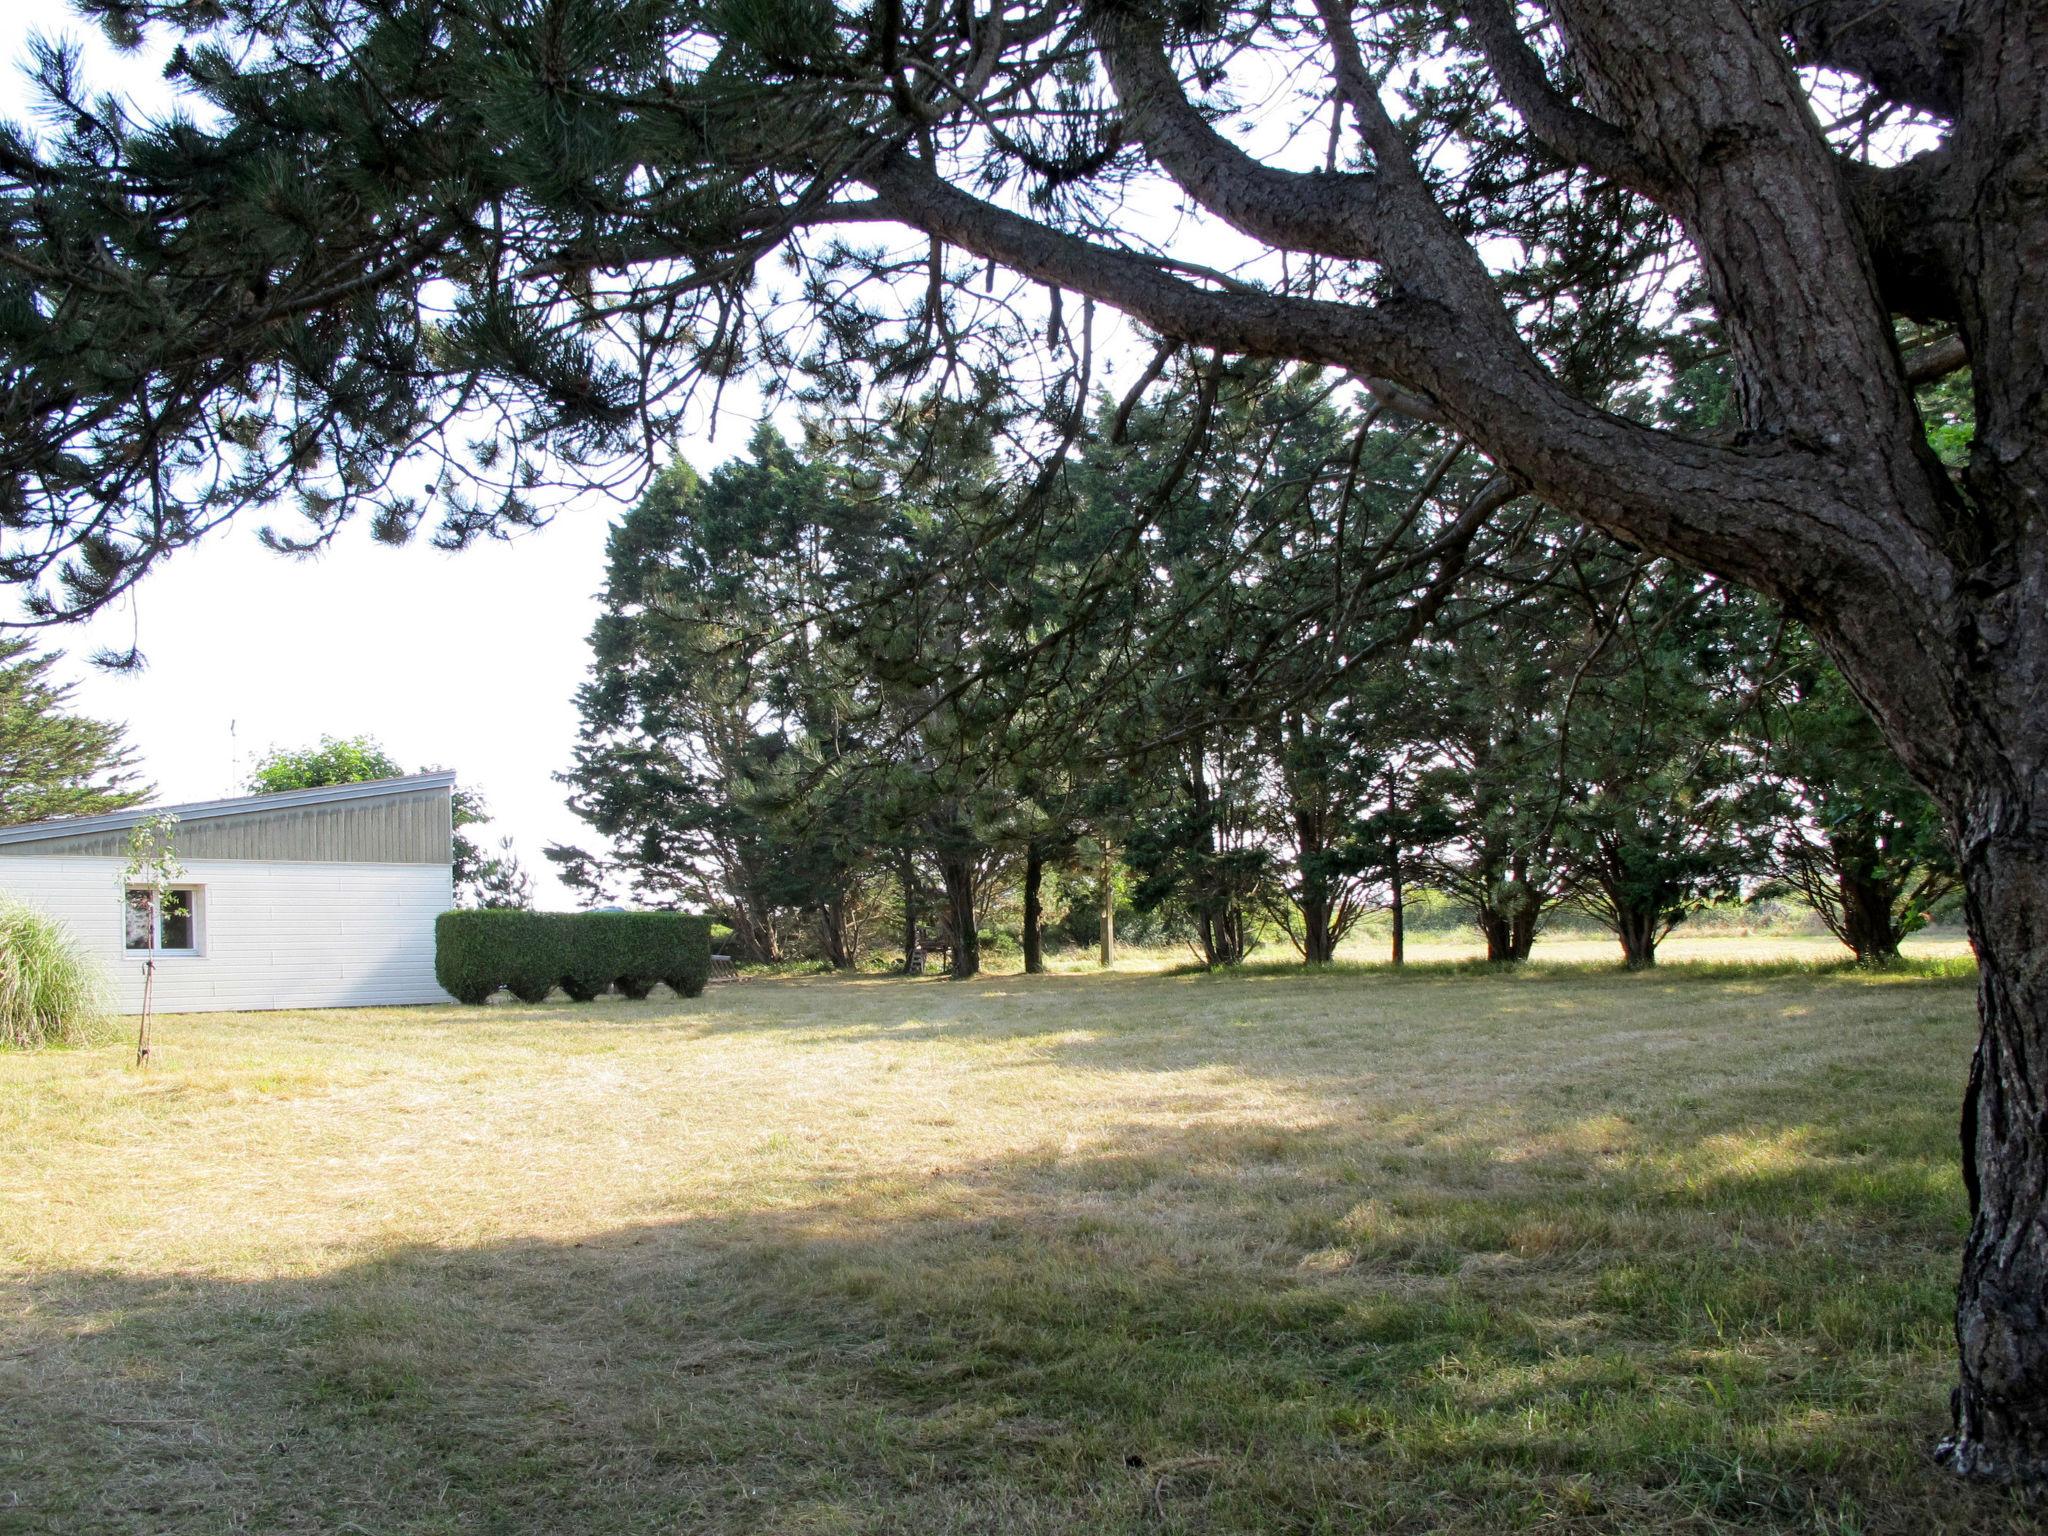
x=397 y=221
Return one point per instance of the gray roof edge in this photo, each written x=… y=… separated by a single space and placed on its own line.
x=238 y=805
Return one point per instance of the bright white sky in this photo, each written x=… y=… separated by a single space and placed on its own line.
x=465 y=661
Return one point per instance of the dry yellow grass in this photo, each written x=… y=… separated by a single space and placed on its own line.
x=1280 y=1253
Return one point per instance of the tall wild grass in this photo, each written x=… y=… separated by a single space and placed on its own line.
x=50 y=992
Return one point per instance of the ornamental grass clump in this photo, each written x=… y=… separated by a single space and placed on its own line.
x=50 y=992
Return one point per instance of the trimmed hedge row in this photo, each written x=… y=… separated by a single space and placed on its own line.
x=583 y=953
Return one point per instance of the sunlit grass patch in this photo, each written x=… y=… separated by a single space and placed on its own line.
x=1571 y=1251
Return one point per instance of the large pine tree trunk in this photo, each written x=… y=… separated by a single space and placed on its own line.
x=2001 y=1406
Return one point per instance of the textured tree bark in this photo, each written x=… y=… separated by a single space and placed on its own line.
x=1870 y=923
x=1996 y=800
x=1317 y=947
x=1498 y=933
x=832 y=933
x=1034 y=876
x=1226 y=935
x=957 y=873
x=2001 y=1405
x=1522 y=935
x=1638 y=930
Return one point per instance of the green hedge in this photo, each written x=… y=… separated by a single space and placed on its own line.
x=583 y=953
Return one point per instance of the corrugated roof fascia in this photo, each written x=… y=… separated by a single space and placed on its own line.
x=239 y=805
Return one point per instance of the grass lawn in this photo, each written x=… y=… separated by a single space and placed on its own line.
x=1567 y=1251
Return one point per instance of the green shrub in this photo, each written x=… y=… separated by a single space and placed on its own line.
x=539 y=954
x=599 y=953
x=477 y=952
x=467 y=954
x=50 y=993
x=687 y=948
x=642 y=946
x=585 y=953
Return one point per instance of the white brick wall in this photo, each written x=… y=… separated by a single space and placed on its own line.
x=287 y=935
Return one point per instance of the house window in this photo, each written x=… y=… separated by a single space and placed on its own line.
x=175 y=920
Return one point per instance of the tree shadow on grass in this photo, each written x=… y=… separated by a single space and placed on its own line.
x=1210 y=1328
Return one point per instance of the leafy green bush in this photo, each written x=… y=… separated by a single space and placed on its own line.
x=539 y=954
x=462 y=959
x=683 y=954
x=638 y=946
x=585 y=953
x=50 y=992
x=590 y=952
x=470 y=952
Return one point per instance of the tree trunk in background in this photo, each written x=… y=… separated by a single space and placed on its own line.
x=1226 y=935
x=1400 y=955
x=1870 y=927
x=913 y=962
x=1317 y=946
x=1510 y=935
x=1509 y=912
x=1396 y=897
x=1638 y=929
x=958 y=874
x=1521 y=935
x=1496 y=930
x=1034 y=877
x=832 y=933
x=754 y=934
x=1108 y=956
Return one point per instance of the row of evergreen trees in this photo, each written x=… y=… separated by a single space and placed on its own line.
x=1278 y=653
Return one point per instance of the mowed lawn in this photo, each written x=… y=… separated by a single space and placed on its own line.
x=1568 y=1251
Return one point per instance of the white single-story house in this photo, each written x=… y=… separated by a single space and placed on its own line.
x=313 y=898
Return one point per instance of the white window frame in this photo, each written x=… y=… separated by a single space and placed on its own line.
x=198 y=948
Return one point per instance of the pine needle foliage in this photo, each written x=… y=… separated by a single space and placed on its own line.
x=54 y=762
